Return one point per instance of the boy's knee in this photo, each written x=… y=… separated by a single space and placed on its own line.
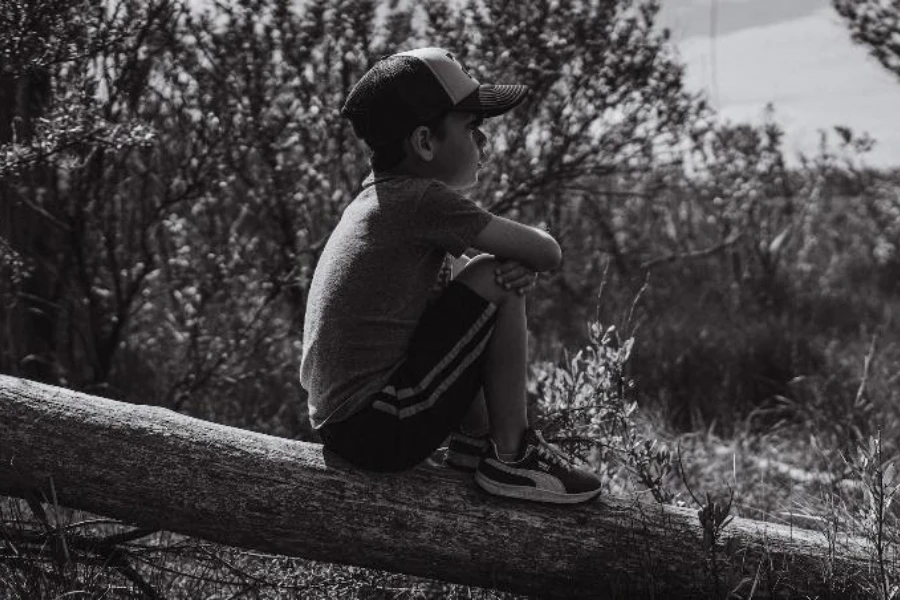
x=480 y=276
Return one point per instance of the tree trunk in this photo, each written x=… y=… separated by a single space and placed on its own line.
x=157 y=468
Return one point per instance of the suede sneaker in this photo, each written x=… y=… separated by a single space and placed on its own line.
x=542 y=474
x=465 y=451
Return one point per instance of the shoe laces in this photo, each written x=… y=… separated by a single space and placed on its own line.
x=552 y=454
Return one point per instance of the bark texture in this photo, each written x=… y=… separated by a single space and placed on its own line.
x=157 y=468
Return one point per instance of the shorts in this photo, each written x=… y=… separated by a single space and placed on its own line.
x=428 y=395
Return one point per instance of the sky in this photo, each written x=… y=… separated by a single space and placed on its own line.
x=796 y=54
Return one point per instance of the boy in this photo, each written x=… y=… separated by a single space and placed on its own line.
x=390 y=369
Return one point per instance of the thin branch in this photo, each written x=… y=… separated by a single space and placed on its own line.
x=693 y=254
x=126 y=536
x=867 y=363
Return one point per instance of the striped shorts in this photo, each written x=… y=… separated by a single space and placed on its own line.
x=428 y=396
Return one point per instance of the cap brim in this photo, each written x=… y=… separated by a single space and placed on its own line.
x=492 y=100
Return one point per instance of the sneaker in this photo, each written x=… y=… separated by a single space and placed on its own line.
x=543 y=474
x=464 y=451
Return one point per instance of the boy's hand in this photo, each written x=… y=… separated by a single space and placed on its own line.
x=513 y=275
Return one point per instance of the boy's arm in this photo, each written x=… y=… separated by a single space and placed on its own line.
x=509 y=240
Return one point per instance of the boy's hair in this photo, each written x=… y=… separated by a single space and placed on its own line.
x=409 y=89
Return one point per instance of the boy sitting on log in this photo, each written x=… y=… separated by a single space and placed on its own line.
x=400 y=349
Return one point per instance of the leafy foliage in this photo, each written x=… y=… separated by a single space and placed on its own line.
x=876 y=24
x=190 y=165
x=584 y=406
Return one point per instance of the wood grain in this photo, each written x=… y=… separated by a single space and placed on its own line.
x=157 y=468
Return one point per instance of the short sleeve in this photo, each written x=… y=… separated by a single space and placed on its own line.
x=447 y=219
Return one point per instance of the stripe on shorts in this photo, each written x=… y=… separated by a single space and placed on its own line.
x=465 y=361
x=450 y=356
x=415 y=409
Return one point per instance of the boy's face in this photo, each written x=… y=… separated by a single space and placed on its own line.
x=459 y=154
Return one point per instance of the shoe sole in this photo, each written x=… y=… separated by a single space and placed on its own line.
x=532 y=493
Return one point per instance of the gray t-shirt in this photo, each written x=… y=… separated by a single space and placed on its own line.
x=372 y=284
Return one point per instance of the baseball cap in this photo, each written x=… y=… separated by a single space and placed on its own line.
x=408 y=89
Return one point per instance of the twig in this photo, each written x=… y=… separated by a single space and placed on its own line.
x=603 y=281
x=126 y=536
x=637 y=298
x=867 y=363
x=693 y=254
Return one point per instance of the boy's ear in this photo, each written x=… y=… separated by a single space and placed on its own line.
x=421 y=142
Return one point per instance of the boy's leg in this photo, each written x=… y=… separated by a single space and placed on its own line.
x=520 y=464
x=476 y=421
x=504 y=369
x=469 y=442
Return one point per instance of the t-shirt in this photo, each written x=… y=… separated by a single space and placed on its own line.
x=372 y=284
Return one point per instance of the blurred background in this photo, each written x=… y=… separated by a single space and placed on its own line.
x=724 y=178
x=797 y=55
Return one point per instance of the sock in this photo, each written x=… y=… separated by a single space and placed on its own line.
x=508 y=457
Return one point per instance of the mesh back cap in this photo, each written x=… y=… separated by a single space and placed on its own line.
x=408 y=89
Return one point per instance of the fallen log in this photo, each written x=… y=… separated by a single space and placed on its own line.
x=162 y=470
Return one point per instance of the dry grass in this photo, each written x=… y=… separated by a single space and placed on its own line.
x=66 y=561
